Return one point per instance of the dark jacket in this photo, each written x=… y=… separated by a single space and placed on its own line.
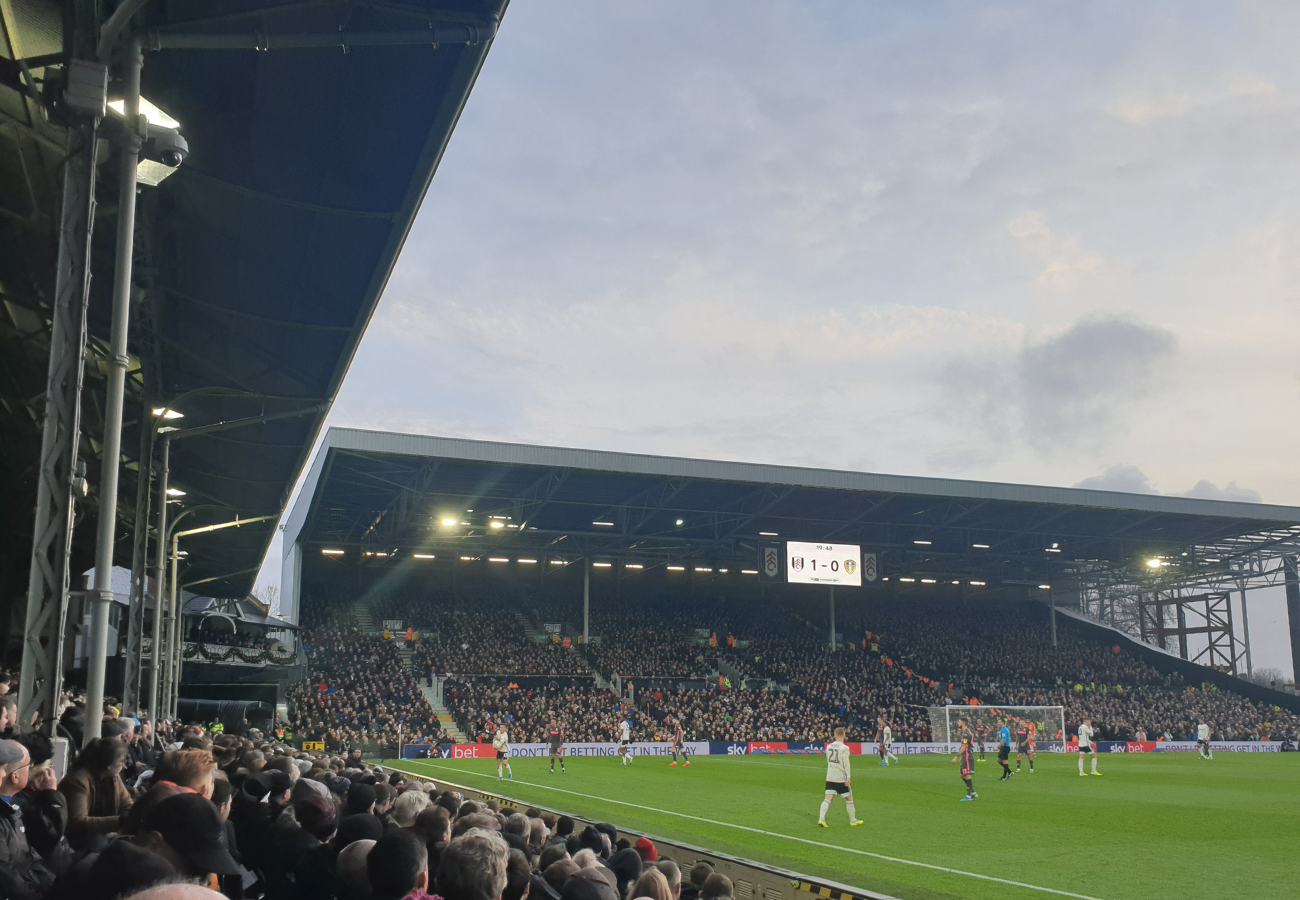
x=22 y=874
x=45 y=816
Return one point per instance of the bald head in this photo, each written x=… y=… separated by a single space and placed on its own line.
x=177 y=892
x=352 y=866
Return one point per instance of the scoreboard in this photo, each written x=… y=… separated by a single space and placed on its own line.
x=830 y=564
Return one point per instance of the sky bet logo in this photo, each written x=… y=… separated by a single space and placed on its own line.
x=736 y=749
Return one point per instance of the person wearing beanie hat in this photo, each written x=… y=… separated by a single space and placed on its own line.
x=361 y=799
x=646 y=848
x=359 y=827
x=626 y=865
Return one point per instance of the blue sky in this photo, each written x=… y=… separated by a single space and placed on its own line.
x=1036 y=242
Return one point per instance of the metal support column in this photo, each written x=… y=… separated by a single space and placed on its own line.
x=586 y=599
x=139 y=564
x=41 y=678
x=159 y=581
x=832 y=593
x=1245 y=627
x=111 y=456
x=1292 y=577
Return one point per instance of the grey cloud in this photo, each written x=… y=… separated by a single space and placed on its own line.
x=1208 y=490
x=1128 y=479
x=1132 y=480
x=1074 y=383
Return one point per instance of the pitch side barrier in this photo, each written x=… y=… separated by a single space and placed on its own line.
x=809 y=748
x=755 y=880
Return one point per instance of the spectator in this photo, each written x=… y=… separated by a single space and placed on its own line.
x=652 y=884
x=673 y=875
x=717 y=887
x=187 y=831
x=97 y=799
x=22 y=874
x=354 y=881
x=473 y=867
x=398 y=867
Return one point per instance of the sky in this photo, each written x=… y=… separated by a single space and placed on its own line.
x=1034 y=242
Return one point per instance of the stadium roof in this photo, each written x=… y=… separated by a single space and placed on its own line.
x=390 y=493
x=314 y=130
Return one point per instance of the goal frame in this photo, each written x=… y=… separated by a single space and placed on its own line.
x=1050 y=720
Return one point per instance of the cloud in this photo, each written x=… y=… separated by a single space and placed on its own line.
x=1073 y=383
x=1207 y=490
x=1124 y=478
x=1129 y=479
x=1066 y=391
x=1065 y=260
x=1139 y=108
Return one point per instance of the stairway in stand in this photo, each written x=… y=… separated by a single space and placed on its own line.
x=365 y=621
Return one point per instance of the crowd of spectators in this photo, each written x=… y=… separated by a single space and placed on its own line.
x=358 y=692
x=580 y=710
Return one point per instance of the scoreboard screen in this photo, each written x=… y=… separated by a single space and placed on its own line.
x=829 y=564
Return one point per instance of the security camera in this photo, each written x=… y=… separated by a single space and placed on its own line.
x=166 y=146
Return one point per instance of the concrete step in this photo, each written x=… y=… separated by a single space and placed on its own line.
x=443 y=714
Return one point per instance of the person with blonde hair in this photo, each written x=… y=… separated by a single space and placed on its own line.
x=653 y=885
x=408 y=806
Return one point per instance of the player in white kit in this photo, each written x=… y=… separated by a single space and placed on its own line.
x=1087 y=745
x=625 y=741
x=837 y=779
x=501 y=743
x=1203 y=741
x=886 y=745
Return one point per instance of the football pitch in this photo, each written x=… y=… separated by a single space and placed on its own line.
x=1153 y=825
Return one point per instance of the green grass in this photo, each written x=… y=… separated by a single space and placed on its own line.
x=1154 y=825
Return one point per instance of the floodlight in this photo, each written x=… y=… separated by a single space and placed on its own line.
x=978 y=583
x=633 y=566
x=703 y=569
x=921 y=543
x=927 y=581
x=680 y=522
x=175 y=492
x=162 y=412
x=332 y=552
x=423 y=555
x=749 y=571
x=908 y=580
x=604 y=524
x=601 y=565
x=1044 y=587
x=527 y=562
x=676 y=568
x=980 y=546
x=761 y=533
x=497 y=559
x=152 y=113
x=1154 y=563
x=448 y=523
x=495 y=524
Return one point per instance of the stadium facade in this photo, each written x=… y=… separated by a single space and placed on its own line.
x=1146 y=564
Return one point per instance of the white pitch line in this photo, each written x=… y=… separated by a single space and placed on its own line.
x=788 y=837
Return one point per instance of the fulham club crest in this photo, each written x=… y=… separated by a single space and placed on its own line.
x=796 y=563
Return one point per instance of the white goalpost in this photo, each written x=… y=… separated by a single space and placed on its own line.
x=1048 y=723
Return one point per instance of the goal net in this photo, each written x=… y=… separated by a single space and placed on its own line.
x=1048 y=723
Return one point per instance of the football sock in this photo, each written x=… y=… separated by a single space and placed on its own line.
x=826 y=805
x=1006 y=771
x=853 y=816
x=970 y=786
x=1094 y=764
x=1080 y=763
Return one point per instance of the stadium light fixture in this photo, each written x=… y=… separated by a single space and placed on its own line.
x=331 y=552
x=1052 y=549
x=724 y=571
x=749 y=571
x=381 y=553
x=703 y=569
x=495 y=524
x=633 y=566
x=559 y=562
x=886 y=578
x=603 y=524
x=907 y=580
x=1044 y=587
x=922 y=543
x=980 y=546
x=978 y=583
x=175 y=492
x=681 y=522
x=1155 y=563
x=601 y=565
x=466 y=524
x=162 y=412
x=766 y=533
x=927 y=581
x=527 y=562
x=423 y=556
x=467 y=559
x=956 y=582
x=497 y=559
x=676 y=568
x=150 y=111
x=448 y=523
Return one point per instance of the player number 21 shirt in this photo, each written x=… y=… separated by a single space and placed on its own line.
x=837 y=762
